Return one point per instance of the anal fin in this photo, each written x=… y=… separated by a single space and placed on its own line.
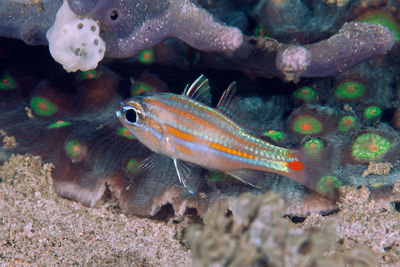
x=251 y=177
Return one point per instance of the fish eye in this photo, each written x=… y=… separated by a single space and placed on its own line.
x=131 y=116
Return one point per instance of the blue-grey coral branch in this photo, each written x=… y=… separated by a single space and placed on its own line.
x=353 y=43
x=131 y=26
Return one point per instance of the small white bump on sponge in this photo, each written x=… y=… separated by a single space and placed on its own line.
x=74 y=42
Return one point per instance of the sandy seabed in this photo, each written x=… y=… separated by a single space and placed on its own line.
x=38 y=227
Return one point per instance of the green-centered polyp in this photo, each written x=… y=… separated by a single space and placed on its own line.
x=327 y=184
x=7 y=82
x=313 y=146
x=220 y=177
x=125 y=133
x=140 y=88
x=58 y=124
x=370 y=147
x=90 y=74
x=306 y=124
x=372 y=112
x=275 y=135
x=42 y=106
x=305 y=93
x=132 y=165
x=146 y=56
x=349 y=90
x=377 y=185
x=346 y=123
x=259 y=31
x=73 y=148
x=217 y=177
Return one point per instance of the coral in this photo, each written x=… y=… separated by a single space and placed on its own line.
x=383 y=18
x=7 y=82
x=251 y=231
x=349 y=90
x=70 y=119
x=8 y=141
x=377 y=168
x=328 y=184
x=311 y=120
x=275 y=135
x=346 y=123
x=313 y=146
x=372 y=112
x=305 y=94
x=130 y=27
x=362 y=220
x=370 y=146
x=150 y=22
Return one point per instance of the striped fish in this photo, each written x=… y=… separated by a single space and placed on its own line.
x=186 y=129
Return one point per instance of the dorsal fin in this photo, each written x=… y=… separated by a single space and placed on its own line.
x=228 y=104
x=199 y=90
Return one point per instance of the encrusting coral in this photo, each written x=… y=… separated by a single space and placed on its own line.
x=250 y=231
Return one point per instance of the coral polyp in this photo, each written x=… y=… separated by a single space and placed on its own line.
x=139 y=88
x=312 y=120
x=90 y=74
x=7 y=82
x=349 y=90
x=313 y=146
x=132 y=165
x=328 y=184
x=275 y=135
x=307 y=125
x=370 y=147
x=346 y=123
x=122 y=131
x=305 y=93
x=58 y=124
x=75 y=149
x=42 y=106
x=146 y=56
x=372 y=112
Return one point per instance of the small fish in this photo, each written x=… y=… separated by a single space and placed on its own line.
x=186 y=129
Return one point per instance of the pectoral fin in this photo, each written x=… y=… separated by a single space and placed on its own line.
x=190 y=175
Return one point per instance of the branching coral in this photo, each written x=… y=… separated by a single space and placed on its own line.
x=128 y=27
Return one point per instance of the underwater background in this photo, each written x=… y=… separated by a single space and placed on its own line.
x=344 y=100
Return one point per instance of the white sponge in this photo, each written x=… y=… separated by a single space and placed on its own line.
x=74 y=41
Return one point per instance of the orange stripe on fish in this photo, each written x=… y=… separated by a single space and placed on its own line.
x=203 y=122
x=191 y=138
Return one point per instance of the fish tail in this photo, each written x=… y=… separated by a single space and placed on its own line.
x=311 y=168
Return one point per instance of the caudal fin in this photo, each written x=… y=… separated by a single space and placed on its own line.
x=312 y=169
